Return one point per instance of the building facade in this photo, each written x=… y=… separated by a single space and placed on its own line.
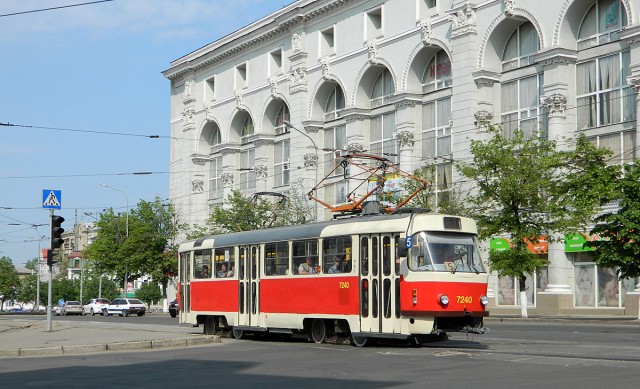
x=414 y=81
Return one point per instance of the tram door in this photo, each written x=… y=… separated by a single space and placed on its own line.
x=249 y=286
x=379 y=284
x=185 y=295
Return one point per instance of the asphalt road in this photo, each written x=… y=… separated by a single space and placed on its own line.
x=514 y=354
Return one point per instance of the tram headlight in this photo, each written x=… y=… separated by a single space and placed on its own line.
x=484 y=300
x=444 y=299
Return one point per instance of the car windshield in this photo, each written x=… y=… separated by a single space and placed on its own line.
x=445 y=252
x=73 y=302
x=134 y=301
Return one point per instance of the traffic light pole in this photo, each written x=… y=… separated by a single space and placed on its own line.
x=50 y=278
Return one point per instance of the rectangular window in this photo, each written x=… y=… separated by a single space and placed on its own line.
x=241 y=76
x=302 y=250
x=603 y=96
x=521 y=107
x=281 y=165
x=436 y=137
x=275 y=62
x=224 y=260
x=381 y=137
x=215 y=182
x=621 y=144
x=210 y=89
x=373 y=24
x=202 y=264
x=337 y=248
x=335 y=139
x=276 y=259
x=247 y=174
x=327 y=42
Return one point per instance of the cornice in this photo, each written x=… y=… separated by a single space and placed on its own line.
x=263 y=30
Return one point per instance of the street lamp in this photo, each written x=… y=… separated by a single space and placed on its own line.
x=289 y=125
x=126 y=269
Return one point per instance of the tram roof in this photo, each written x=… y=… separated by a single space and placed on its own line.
x=296 y=232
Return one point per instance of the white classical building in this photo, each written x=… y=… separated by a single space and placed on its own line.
x=415 y=81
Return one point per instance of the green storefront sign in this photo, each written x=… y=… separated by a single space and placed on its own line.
x=499 y=244
x=574 y=243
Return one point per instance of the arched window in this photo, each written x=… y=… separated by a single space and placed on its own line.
x=281 y=116
x=215 y=137
x=437 y=73
x=334 y=104
x=247 y=126
x=521 y=44
x=382 y=89
x=602 y=24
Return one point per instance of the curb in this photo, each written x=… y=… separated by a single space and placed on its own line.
x=122 y=346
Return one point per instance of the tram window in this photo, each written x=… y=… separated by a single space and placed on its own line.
x=254 y=263
x=364 y=255
x=241 y=264
x=202 y=264
x=337 y=247
x=276 y=259
x=223 y=259
x=397 y=256
x=374 y=256
x=301 y=250
x=386 y=256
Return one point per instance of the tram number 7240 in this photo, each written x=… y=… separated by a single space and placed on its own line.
x=343 y=284
x=464 y=299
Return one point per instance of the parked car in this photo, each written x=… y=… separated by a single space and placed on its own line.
x=173 y=308
x=71 y=308
x=94 y=306
x=55 y=310
x=125 y=307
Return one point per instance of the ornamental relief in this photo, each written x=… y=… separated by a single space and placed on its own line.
x=197 y=186
x=227 y=179
x=355 y=148
x=463 y=21
x=310 y=160
x=298 y=80
x=261 y=171
x=556 y=104
x=405 y=138
x=425 y=31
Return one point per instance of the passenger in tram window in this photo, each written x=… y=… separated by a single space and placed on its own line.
x=204 y=272
x=231 y=272
x=335 y=269
x=307 y=267
x=222 y=272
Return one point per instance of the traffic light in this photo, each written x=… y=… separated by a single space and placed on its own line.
x=50 y=257
x=56 y=231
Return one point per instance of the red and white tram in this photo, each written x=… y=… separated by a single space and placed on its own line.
x=404 y=275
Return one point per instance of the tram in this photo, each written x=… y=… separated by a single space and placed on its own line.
x=405 y=275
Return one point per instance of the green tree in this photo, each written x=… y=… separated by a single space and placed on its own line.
x=9 y=281
x=147 y=246
x=149 y=292
x=526 y=188
x=620 y=230
x=240 y=213
x=27 y=291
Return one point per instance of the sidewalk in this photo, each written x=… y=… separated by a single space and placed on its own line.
x=21 y=337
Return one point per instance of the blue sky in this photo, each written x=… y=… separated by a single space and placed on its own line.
x=91 y=69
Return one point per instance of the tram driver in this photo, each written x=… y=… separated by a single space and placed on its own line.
x=307 y=267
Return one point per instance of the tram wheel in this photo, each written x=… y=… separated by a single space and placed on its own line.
x=209 y=325
x=318 y=331
x=238 y=334
x=359 y=341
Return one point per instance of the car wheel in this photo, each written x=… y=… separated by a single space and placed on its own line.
x=173 y=314
x=105 y=312
x=141 y=313
x=92 y=312
x=125 y=312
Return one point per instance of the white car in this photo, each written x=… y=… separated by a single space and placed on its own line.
x=94 y=306
x=71 y=308
x=125 y=307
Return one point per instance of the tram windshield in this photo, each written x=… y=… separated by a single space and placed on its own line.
x=445 y=252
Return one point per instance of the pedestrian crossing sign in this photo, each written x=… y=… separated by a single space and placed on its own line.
x=51 y=199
